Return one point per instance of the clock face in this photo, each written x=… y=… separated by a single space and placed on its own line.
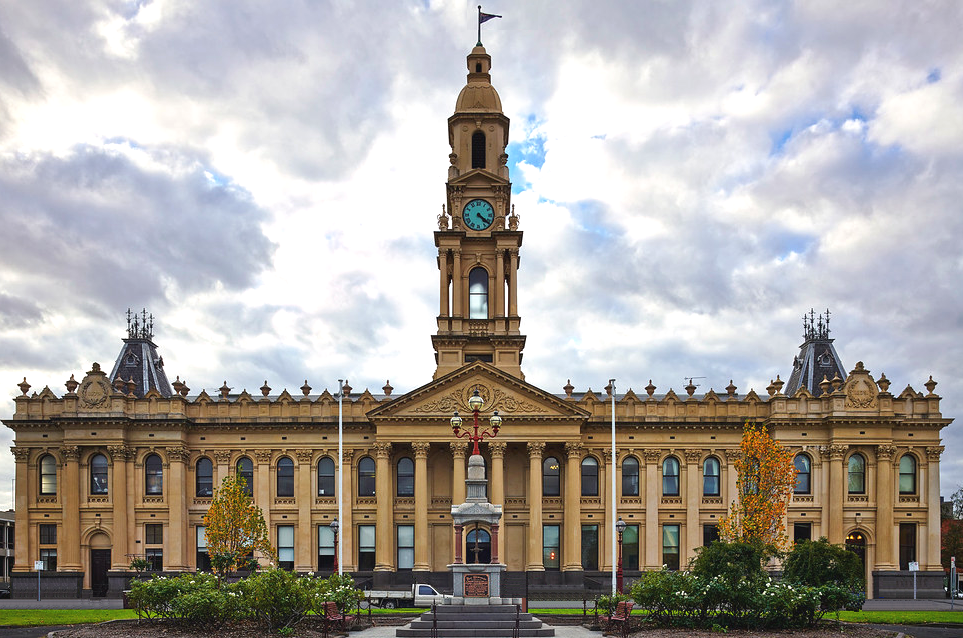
x=478 y=214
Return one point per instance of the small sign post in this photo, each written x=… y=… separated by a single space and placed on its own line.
x=954 y=582
x=38 y=565
x=914 y=567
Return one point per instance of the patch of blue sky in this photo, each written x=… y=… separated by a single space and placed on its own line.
x=787 y=244
x=123 y=141
x=935 y=75
x=780 y=138
x=216 y=179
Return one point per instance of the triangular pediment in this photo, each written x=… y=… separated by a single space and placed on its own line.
x=512 y=397
x=478 y=176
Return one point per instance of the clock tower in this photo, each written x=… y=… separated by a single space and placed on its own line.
x=478 y=237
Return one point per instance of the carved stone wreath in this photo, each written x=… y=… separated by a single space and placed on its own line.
x=94 y=393
x=495 y=399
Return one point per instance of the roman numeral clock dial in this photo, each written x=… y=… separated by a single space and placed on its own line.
x=478 y=214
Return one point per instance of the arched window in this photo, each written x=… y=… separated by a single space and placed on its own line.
x=857 y=474
x=153 y=475
x=98 y=474
x=478 y=294
x=803 y=474
x=478 y=546
x=285 y=477
x=478 y=150
x=630 y=476
x=710 y=477
x=670 y=477
x=204 y=477
x=907 y=474
x=550 y=481
x=366 y=477
x=590 y=477
x=326 y=476
x=48 y=475
x=406 y=477
x=245 y=471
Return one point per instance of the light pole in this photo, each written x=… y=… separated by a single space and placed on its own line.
x=334 y=529
x=620 y=528
x=615 y=461
x=476 y=403
x=340 y=466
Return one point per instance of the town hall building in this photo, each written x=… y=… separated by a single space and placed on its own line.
x=121 y=463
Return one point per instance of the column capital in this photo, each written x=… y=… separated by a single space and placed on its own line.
x=885 y=452
x=421 y=449
x=933 y=452
x=20 y=454
x=692 y=456
x=304 y=456
x=178 y=453
x=459 y=448
x=222 y=456
x=382 y=449
x=120 y=452
x=262 y=456
x=347 y=457
x=70 y=452
x=651 y=456
x=607 y=454
x=836 y=451
x=497 y=449
x=573 y=449
x=535 y=449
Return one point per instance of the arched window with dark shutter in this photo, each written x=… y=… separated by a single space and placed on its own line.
x=98 y=474
x=245 y=471
x=551 y=485
x=366 y=477
x=48 y=475
x=670 y=476
x=590 y=477
x=803 y=474
x=326 y=476
x=710 y=477
x=204 y=477
x=285 y=478
x=153 y=475
x=478 y=293
x=406 y=477
x=630 y=476
x=478 y=150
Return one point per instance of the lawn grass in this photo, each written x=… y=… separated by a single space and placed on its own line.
x=899 y=617
x=37 y=617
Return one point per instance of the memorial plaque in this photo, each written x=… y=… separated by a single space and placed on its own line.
x=476 y=585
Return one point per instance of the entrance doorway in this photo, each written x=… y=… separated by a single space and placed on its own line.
x=99 y=565
x=856 y=543
x=478 y=546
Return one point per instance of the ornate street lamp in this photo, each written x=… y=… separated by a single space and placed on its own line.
x=620 y=528
x=334 y=528
x=476 y=403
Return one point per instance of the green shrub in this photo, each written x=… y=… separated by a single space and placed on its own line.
x=606 y=603
x=340 y=589
x=669 y=597
x=821 y=563
x=730 y=580
x=190 y=599
x=278 y=598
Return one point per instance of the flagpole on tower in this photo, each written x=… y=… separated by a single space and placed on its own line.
x=483 y=17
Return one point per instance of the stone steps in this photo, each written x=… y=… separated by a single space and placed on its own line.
x=475 y=621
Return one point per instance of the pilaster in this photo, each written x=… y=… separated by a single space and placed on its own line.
x=385 y=523
x=422 y=497
x=22 y=551
x=70 y=559
x=119 y=455
x=497 y=450
x=304 y=546
x=175 y=549
x=535 y=450
x=572 y=546
x=885 y=490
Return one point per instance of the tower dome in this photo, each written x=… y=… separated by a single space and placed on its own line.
x=479 y=96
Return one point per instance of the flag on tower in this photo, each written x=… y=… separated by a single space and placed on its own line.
x=482 y=18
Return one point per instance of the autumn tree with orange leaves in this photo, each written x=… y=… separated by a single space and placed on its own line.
x=765 y=481
x=235 y=527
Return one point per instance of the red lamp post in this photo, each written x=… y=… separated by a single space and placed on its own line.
x=620 y=528
x=334 y=528
x=476 y=403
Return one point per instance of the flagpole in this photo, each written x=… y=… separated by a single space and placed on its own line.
x=340 y=473
x=614 y=464
x=479 y=26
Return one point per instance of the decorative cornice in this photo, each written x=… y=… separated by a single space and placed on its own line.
x=652 y=456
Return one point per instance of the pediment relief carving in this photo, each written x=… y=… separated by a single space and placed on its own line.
x=496 y=398
x=860 y=389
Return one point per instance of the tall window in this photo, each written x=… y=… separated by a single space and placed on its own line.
x=406 y=547
x=630 y=548
x=670 y=477
x=710 y=534
x=204 y=477
x=710 y=477
x=803 y=474
x=366 y=477
x=153 y=475
x=907 y=474
x=907 y=545
x=802 y=532
x=326 y=476
x=48 y=536
x=285 y=476
x=550 y=547
x=48 y=475
x=366 y=548
x=590 y=477
x=98 y=474
x=670 y=546
x=203 y=557
x=550 y=477
x=286 y=547
x=478 y=150
x=154 y=536
x=325 y=548
x=245 y=470
x=630 y=476
x=857 y=474
x=478 y=294
x=406 y=477
x=590 y=547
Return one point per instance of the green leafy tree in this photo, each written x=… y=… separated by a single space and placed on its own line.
x=952 y=543
x=235 y=527
x=819 y=563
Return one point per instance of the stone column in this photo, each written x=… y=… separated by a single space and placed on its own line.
x=497 y=450
x=499 y=284
x=119 y=455
x=70 y=561
x=443 y=270
x=932 y=556
x=459 y=450
x=175 y=550
x=22 y=560
x=457 y=307
x=305 y=543
x=605 y=492
x=572 y=519
x=837 y=494
x=458 y=542
x=513 y=284
x=885 y=491
x=653 y=540
x=346 y=535
x=385 y=523
x=693 y=501
x=422 y=499
x=535 y=450
x=262 y=481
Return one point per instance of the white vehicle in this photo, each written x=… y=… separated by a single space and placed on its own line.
x=420 y=595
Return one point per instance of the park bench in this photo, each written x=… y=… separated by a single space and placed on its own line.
x=334 y=617
x=622 y=617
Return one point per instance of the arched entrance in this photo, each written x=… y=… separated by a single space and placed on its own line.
x=478 y=546
x=856 y=543
x=99 y=564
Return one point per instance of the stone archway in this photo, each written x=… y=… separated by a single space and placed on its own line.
x=99 y=563
x=478 y=546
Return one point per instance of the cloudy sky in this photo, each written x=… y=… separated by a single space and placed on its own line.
x=691 y=178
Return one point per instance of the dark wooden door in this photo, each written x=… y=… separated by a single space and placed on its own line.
x=99 y=564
